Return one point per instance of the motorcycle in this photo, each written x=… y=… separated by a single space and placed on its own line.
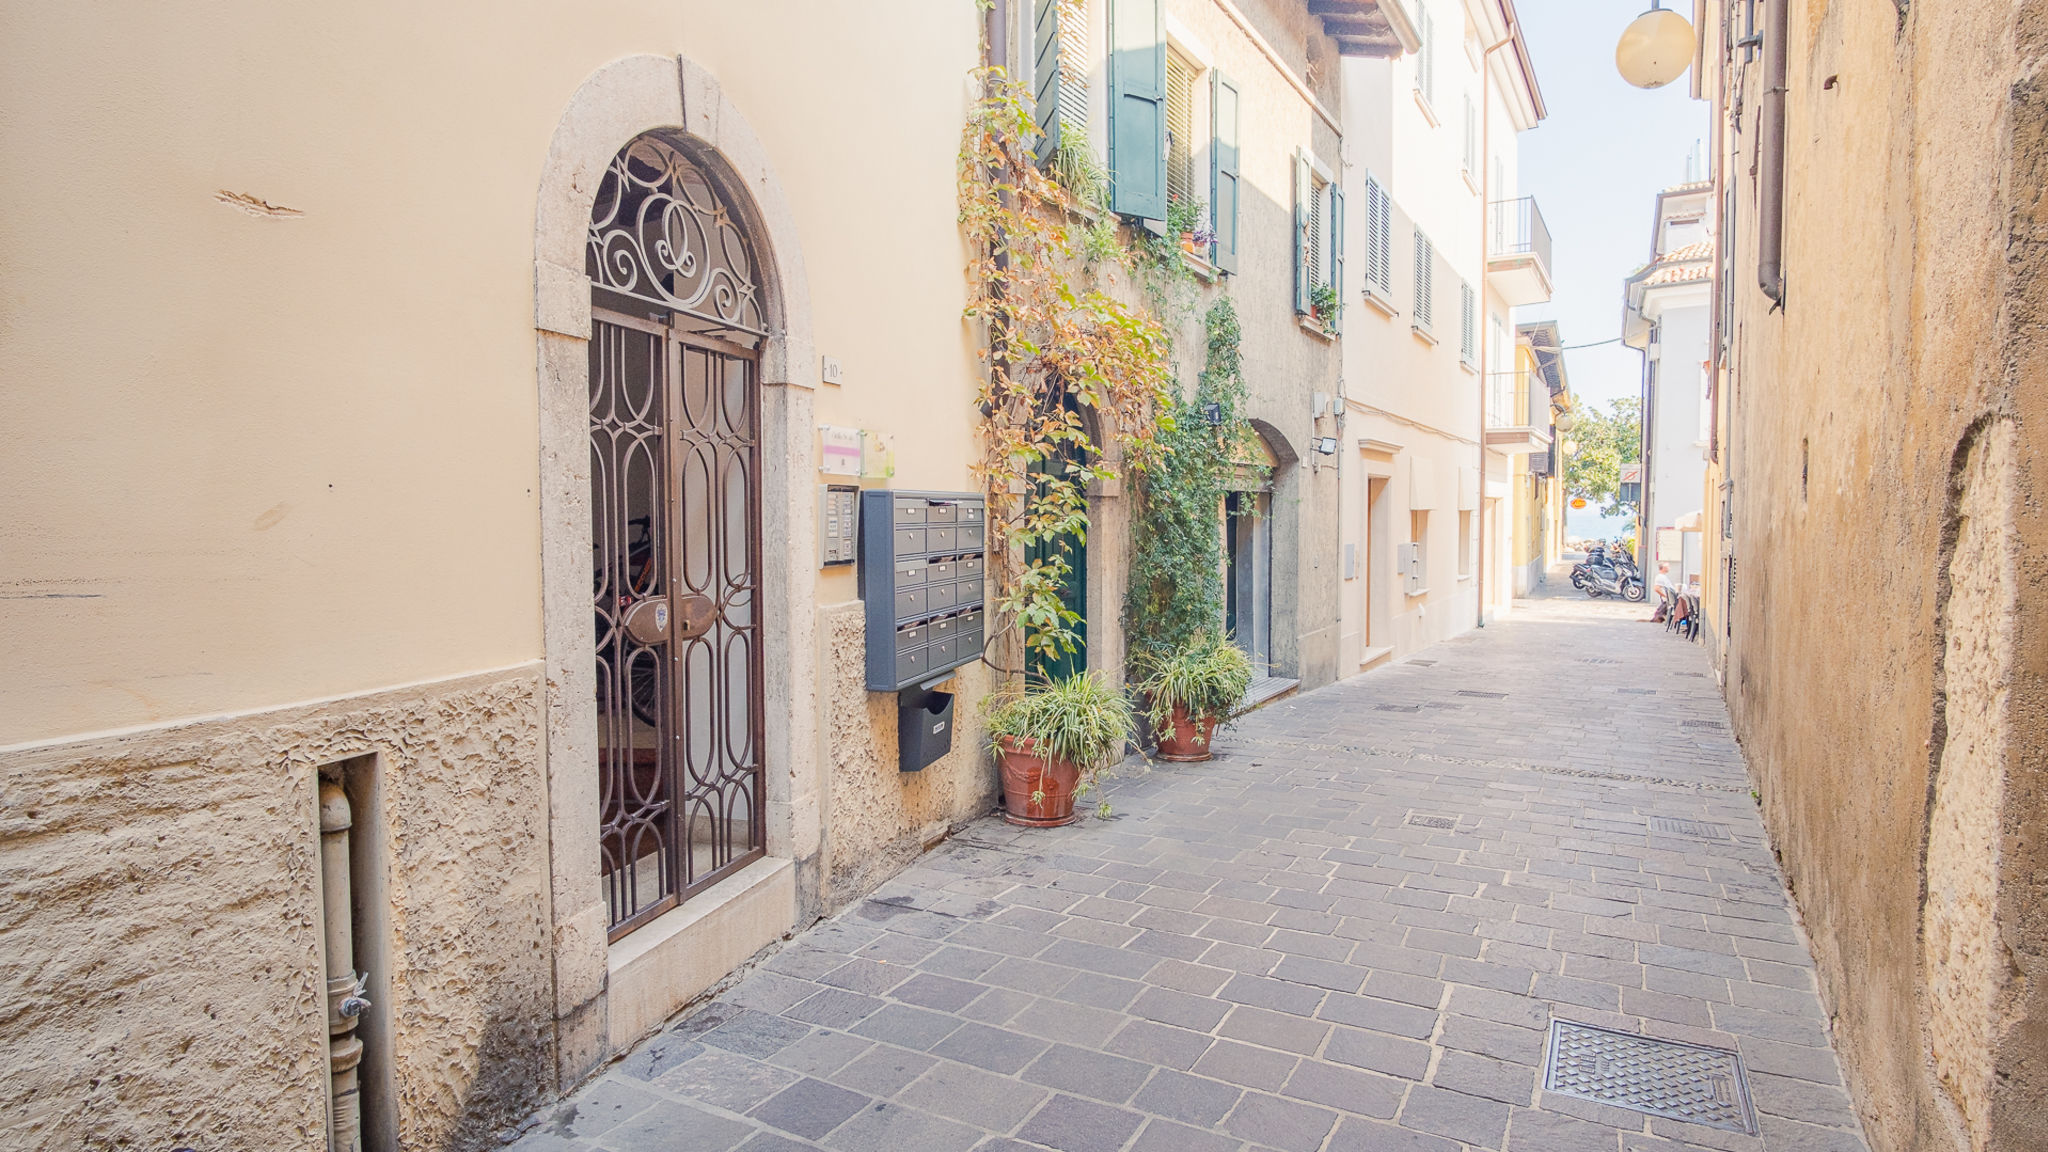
x=1601 y=574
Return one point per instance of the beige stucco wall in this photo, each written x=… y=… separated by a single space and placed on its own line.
x=160 y=949
x=1894 y=757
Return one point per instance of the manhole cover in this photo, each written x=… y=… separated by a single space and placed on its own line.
x=1694 y=828
x=1443 y=823
x=1487 y=695
x=1661 y=1077
x=1397 y=707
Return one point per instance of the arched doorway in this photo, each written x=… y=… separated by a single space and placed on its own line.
x=677 y=328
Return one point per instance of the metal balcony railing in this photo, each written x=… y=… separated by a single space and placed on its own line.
x=1510 y=400
x=1517 y=229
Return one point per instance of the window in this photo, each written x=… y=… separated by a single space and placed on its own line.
x=1060 y=48
x=1223 y=170
x=1424 y=311
x=1379 y=230
x=1318 y=243
x=1425 y=61
x=1180 y=127
x=1468 y=325
x=1464 y=544
x=1137 y=109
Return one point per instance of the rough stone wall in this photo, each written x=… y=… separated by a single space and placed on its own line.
x=879 y=819
x=1880 y=670
x=160 y=958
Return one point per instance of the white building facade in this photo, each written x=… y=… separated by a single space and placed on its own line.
x=1668 y=317
x=1442 y=252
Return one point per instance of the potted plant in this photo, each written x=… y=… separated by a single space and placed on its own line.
x=1051 y=740
x=1185 y=219
x=1190 y=690
x=1323 y=302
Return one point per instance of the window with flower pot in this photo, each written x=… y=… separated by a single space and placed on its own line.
x=1318 y=243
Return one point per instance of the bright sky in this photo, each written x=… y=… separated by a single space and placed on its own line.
x=1595 y=167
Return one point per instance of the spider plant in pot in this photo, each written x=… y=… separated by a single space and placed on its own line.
x=1190 y=689
x=1051 y=740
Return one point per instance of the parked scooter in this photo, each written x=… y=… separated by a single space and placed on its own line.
x=1605 y=573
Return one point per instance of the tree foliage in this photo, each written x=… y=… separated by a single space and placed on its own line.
x=1606 y=441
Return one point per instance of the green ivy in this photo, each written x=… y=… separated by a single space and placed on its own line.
x=1176 y=583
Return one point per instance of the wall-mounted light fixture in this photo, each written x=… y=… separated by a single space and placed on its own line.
x=1213 y=413
x=1656 y=48
x=1327 y=445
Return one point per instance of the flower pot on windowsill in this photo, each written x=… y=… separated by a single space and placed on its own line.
x=1038 y=791
x=1186 y=740
x=1188 y=245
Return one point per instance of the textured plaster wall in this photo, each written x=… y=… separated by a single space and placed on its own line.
x=1895 y=757
x=160 y=957
x=878 y=818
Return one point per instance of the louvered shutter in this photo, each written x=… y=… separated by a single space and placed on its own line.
x=1301 y=214
x=1379 y=255
x=1045 y=71
x=1425 y=55
x=1468 y=324
x=1425 y=286
x=1336 y=231
x=1137 y=108
x=1223 y=171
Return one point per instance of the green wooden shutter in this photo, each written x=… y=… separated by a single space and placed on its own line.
x=1336 y=231
x=1302 y=191
x=1223 y=171
x=1045 y=72
x=1137 y=108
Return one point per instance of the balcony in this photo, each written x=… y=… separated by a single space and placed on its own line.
x=1513 y=427
x=1518 y=251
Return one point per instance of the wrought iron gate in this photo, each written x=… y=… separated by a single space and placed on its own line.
x=675 y=524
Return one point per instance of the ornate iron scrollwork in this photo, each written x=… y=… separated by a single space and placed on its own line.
x=660 y=233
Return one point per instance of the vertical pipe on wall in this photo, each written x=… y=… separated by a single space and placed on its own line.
x=1486 y=209
x=1770 y=224
x=344 y=987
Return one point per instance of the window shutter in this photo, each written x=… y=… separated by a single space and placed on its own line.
x=1425 y=286
x=1137 y=109
x=1468 y=323
x=1425 y=60
x=1223 y=171
x=1336 y=231
x=1059 y=69
x=1471 y=137
x=1301 y=212
x=1379 y=270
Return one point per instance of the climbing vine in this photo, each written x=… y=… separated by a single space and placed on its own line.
x=1176 y=587
x=1055 y=347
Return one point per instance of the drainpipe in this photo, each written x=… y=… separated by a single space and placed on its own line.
x=1770 y=224
x=1486 y=210
x=345 y=1002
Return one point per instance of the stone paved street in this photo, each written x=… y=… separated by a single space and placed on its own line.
x=1269 y=951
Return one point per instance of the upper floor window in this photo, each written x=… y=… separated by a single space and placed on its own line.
x=1468 y=325
x=1379 y=231
x=1180 y=128
x=1424 y=309
x=1425 y=60
x=1318 y=242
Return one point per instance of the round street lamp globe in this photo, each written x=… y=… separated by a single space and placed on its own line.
x=1571 y=447
x=1655 y=49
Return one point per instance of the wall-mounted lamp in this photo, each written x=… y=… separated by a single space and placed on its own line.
x=1571 y=447
x=1327 y=445
x=1213 y=413
x=1656 y=48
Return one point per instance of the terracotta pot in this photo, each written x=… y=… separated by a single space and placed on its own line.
x=1027 y=774
x=1185 y=740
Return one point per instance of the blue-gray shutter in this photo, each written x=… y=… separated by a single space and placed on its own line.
x=1336 y=261
x=1137 y=108
x=1223 y=171
x=1045 y=74
x=1301 y=209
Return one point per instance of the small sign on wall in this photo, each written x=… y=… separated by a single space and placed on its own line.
x=839 y=450
x=1670 y=545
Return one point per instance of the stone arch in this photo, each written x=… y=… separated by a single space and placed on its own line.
x=615 y=105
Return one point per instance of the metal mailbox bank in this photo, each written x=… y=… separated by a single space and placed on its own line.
x=922 y=560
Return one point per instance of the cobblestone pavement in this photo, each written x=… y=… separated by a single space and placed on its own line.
x=1350 y=931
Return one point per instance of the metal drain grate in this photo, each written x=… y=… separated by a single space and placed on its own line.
x=1422 y=663
x=1486 y=695
x=1597 y=660
x=1441 y=823
x=1694 y=828
x=1397 y=707
x=1661 y=1077
x=1699 y=724
x=1637 y=691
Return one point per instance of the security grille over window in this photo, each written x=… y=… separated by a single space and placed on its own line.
x=675 y=486
x=660 y=234
x=1425 y=282
x=1180 y=128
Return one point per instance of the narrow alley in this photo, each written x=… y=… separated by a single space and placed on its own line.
x=1354 y=929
